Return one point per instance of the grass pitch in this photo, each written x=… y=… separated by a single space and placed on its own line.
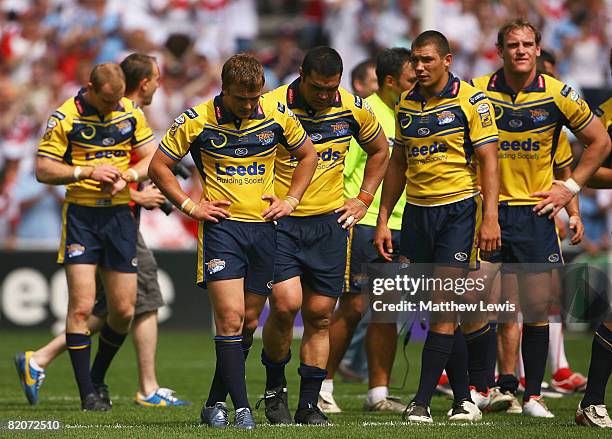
x=185 y=363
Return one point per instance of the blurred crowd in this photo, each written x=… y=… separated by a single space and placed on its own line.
x=48 y=47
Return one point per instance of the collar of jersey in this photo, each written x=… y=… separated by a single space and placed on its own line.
x=295 y=100
x=86 y=109
x=224 y=116
x=449 y=91
x=498 y=83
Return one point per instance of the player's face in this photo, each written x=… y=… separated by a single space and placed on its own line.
x=107 y=98
x=150 y=86
x=520 y=51
x=406 y=79
x=319 y=91
x=240 y=100
x=368 y=85
x=430 y=67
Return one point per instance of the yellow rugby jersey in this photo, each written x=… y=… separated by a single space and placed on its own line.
x=439 y=136
x=78 y=135
x=235 y=157
x=331 y=131
x=604 y=113
x=530 y=124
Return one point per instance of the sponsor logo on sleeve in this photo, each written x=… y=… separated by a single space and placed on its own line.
x=280 y=107
x=191 y=113
x=358 y=102
x=176 y=124
x=483 y=108
x=565 y=90
x=485 y=119
x=477 y=97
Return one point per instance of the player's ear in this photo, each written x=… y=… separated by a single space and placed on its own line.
x=301 y=71
x=538 y=50
x=448 y=59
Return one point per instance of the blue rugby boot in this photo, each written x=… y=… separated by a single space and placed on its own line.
x=243 y=419
x=162 y=397
x=215 y=416
x=31 y=378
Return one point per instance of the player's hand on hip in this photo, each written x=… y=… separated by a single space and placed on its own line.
x=554 y=199
x=211 y=211
x=105 y=174
x=576 y=226
x=383 y=242
x=278 y=208
x=489 y=236
x=352 y=212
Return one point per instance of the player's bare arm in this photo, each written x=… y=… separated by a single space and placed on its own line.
x=160 y=172
x=572 y=208
x=50 y=171
x=305 y=169
x=374 y=171
x=489 y=236
x=597 y=140
x=393 y=187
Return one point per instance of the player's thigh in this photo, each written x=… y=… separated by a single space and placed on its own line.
x=120 y=289
x=535 y=295
x=286 y=297
x=317 y=309
x=228 y=303
x=119 y=236
x=81 y=280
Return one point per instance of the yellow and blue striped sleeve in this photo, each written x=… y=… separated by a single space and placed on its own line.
x=573 y=107
x=481 y=123
x=293 y=132
x=563 y=155
x=369 y=127
x=54 y=142
x=177 y=141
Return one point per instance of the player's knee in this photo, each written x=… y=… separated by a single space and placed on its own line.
x=80 y=312
x=318 y=322
x=230 y=323
x=250 y=326
x=123 y=312
x=283 y=312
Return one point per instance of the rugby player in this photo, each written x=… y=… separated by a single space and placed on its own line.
x=395 y=76
x=142 y=80
x=87 y=146
x=233 y=139
x=312 y=241
x=440 y=125
x=530 y=111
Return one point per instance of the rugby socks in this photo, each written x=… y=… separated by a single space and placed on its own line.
x=218 y=391
x=507 y=383
x=79 y=346
x=310 y=384
x=109 y=343
x=457 y=368
x=230 y=364
x=534 y=347
x=478 y=345
x=377 y=394
x=436 y=352
x=275 y=371
x=600 y=368
x=556 y=350
x=491 y=356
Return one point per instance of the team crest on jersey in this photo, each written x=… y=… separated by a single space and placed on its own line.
x=340 y=128
x=265 y=137
x=539 y=115
x=124 y=127
x=215 y=265
x=75 y=250
x=445 y=117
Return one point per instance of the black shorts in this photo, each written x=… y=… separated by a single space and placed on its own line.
x=527 y=239
x=237 y=249
x=105 y=236
x=442 y=234
x=313 y=247
x=362 y=251
x=149 y=296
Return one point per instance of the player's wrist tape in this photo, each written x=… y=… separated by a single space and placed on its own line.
x=134 y=173
x=571 y=184
x=365 y=197
x=185 y=204
x=77 y=173
x=292 y=201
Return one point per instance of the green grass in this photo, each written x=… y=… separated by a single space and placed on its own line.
x=185 y=363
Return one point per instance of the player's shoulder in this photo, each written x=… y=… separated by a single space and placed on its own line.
x=559 y=90
x=472 y=98
x=481 y=82
x=279 y=94
x=67 y=111
x=274 y=102
x=604 y=109
x=349 y=100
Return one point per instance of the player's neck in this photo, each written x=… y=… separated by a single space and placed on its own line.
x=387 y=96
x=135 y=97
x=436 y=88
x=518 y=81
